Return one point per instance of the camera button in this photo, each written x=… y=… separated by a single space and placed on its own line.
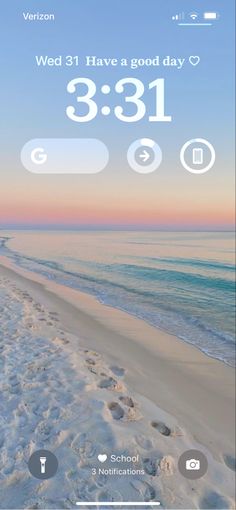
x=193 y=464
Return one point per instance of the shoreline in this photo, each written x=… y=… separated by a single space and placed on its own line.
x=186 y=383
x=209 y=348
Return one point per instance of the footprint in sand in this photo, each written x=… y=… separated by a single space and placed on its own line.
x=144 y=442
x=101 y=480
x=34 y=502
x=109 y=495
x=107 y=382
x=45 y=429
x=230 y=461
x=83 y=446
x=54 y=413
x=38 y=307
x=127 y=401
x=90 y=362
x=91 y=353
x=13 y=380
x=144 y=489
x=167 y=465
x=117 y=371
x=133 y=413
x=161 y=427
x=54 y=316
x=150 y=466
x=214 y=500
x=61 y=339
x=15 y=385
x=91 y=366
x=116 y=410
x=110 y=383
x=1 y=439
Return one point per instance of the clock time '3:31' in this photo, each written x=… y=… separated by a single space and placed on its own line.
x=135 y=99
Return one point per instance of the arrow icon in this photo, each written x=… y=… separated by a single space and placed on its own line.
x=144 y=156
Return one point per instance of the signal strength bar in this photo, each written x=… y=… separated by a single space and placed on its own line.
x=178 y=17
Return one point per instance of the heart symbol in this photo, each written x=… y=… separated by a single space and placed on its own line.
x=194 y=60
x=102 y=457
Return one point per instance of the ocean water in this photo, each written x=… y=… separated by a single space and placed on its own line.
x=180 y=282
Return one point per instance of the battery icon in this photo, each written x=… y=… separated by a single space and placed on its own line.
x=210 y=15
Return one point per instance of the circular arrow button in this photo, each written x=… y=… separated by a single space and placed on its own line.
x=144 y=155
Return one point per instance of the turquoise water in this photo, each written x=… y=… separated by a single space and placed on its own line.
x=180 y=282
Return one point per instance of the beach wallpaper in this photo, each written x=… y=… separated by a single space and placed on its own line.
x=117 y=289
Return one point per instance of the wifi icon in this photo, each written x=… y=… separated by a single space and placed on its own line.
x=193 y=15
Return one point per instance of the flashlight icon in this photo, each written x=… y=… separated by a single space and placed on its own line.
x=43 y=464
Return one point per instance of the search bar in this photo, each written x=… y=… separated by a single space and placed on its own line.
x=64 y=156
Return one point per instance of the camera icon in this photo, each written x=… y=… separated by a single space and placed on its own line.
x=193 y=465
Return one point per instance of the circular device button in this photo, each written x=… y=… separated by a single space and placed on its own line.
x=197 y=156
x=193 y=464
x=144 y=155
x=43 y=464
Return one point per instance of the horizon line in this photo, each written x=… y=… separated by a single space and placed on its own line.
x=114 y=228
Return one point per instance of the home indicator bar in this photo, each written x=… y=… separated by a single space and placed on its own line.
x=118 y=503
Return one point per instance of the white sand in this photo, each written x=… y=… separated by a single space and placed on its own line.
x=73 y=383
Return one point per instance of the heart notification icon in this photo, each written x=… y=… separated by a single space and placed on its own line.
x=102 y=457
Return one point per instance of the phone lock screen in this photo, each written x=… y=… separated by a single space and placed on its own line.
x=117 y=255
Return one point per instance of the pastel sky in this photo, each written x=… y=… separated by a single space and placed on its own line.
x=200 y=100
